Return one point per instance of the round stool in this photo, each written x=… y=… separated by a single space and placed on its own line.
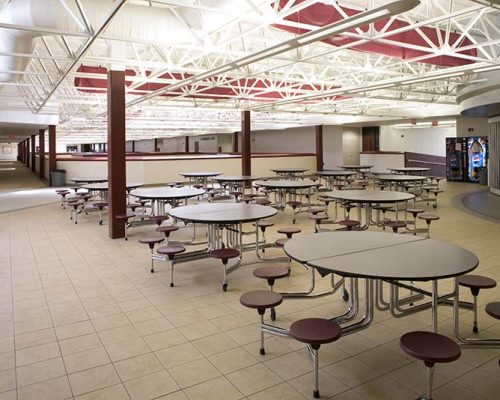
x=294 y=205
x=271 y=274
x=225 y=255
x=414 y=212
x=435 y=192
x=170 y=251
x=428 y=218
x=261 y=300
x=395 y=225
x=349 y=224
x=263 y=225
x=315 y=332
x=151 y=241
x=100 y=206
x=125 y=218
x=289 y=232
x=167 y=230
x=317 y=218
x=158 y=219
x=475 y=283
x=431 y=348
x=133 y=206
x=75 y=204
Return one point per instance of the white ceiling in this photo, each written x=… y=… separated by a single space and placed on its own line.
x=317 y=83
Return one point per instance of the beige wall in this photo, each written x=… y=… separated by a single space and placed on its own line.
x=351 y=145
x=479 y=125
x=8 y=151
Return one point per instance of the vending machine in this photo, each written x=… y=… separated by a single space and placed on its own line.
x=464 y=158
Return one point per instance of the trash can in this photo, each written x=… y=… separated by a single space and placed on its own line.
x=58 y=177
x=483 y=175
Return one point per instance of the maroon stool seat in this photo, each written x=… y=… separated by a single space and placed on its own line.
x=74 y=205
x=315 y=332
x=125 y=217
x=167 y=230
x=261 y=300
x=395 y=225
x=428 y=218
x=271 y=274
x=158 y=219
x=414 y=212
x=475 y=283
x=435 y=192
x=262 y=202
x=347 y=207
x=493 y=309
x=143 y=202
x=237 y=194
x=63 y=195
x=247 y=199
x=281 y=242
x=289 y=232
x=317 y=218
x=133 y=206
x=263 y=225
x=431 y=348
x=225 y=255
x=317 y=210
x=349 y=224
x=151 y=241
x=170 y=252
x=294 y=204
x=100 y=205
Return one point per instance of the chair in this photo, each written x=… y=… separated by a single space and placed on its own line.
x=317 y=218
x=271 y=274
x=261 y=300
x=431 y=348
x=428 y=218
x=263 y=225
x=170 y=252
x=225 y=255
x=315 y=332
x=475 y=283
x=151 y=241
x=395 y=225
x=167 y=230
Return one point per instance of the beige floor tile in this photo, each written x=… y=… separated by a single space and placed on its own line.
x=214 y=344
x=153 y=326
x=213 y=390
x=7 y=380
x=232 y=360
x=6 y=344
x=10 y=395
x=151 y=386
x=87 y=359
x=352 y=372
x=289 y=365
x=35 y=338
x=283 y=391
x=79 y=343
x=198 y=330
x=119 y=334
x=137 y=367
x=110 y=322
x=73 y=330
x=116 y=392
x=385 y=388
x=382 y=359
x=35 y=354
x=127 y=349
x=55 y=389
x=7 y=360
x=178 y=355
x=93 y=379
x=163 y=340
x=145 y=314
x=253 y=379
x=193 y=372
x=39 y=372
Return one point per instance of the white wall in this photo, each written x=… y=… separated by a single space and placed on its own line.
x=208 y=143
x=147 y=146
x=332 y=147
x=172 y=145
x=8 y=151
x=479 y=125
x=294 y=140
x=417 y=140
x=351 y=145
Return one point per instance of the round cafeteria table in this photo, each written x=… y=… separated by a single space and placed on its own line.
x=235 y=182
x=162 y=195
x=368 y=198
x=396 y=179
x=220 y=217
x=361 y=170
x=409 y=170
x=331 y=177
x=289 y=173
x=81 y=179
x=203 y=176
x=102 y=187
x=384 y=256
x=290 y=187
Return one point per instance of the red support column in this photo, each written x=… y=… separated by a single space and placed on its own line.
x=116 y=153
x=33 y=155
x=319 y=148
x=186 y=144
x=246 y=140
x=41 y=147
x=52 y=149
x=235 y=142
x=28 y=151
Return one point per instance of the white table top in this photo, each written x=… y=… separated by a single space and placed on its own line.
x=335 y=173
x=167 y=193
x=236 y=178
x=381 y=255
x=199 y=174
x=104 y=185
x=286 y=184
x=369 y=196
x=214 y=213
x=401 y=178
x=88 y=179
x=409 y=169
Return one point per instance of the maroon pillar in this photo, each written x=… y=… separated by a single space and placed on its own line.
x=235 y=142
x=116 y=153
x=246 y=152
x=133 y=146
x=52 y=149
x=186 y=144
x=319 y=148
x=33 y=155
x=41 y=147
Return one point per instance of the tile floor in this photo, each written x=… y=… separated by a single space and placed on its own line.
x=83 y=318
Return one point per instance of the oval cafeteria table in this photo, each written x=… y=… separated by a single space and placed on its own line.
x=382 y=256
x=282 y=187
x=81 y=179
x=395 y=179
x=409 y=170
x=368 y=198
x=102 y=187
x=290 y=173
x=202 y=176
x=162 y=195
x=220 y=217
x=333 y=176
x=235 y=182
